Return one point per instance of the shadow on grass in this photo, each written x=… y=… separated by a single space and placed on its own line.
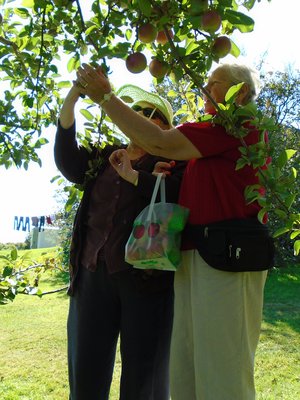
x=56 y=280
x=282 y=297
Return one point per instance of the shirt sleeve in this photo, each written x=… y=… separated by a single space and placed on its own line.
x=209 y=139
x=70 y=159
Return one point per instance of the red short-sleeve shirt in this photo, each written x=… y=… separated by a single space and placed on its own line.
x=212 y=188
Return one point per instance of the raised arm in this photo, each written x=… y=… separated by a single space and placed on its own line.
x=70 y=159
x=67 y=114
x=170 y=143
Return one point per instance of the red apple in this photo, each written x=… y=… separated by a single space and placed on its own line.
x=157 y=68
x=210 y=21
x=147 y=33
x=221 y=47
x=153 y=229
x=161 y=37
x=138 y=231
x=136 y=62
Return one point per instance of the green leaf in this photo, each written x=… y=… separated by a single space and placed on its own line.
x=28 y=3
x=22 y=12
x=290 y=200
x=232 y=93
x=281 y=231
x=71 y=64
x=145 y=7
x=48 y=38
x=239 y=20
x=281 y=214
x=261 y=214
x=249 y=110
x=40 y=142
x=294 y=172
x=64 y=84
x=241 y=162
x=295 y=234
x=235 y=51
x=297 y=247
x=284 y=156
x=249 y=4
x=29 y=102
x=172 y=93
x=90 y=29
x=128 y=34
x=14 y=254
x=7 y=271
x=191 y=47
x=87 y=115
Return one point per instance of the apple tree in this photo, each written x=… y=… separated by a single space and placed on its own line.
x=39 y=35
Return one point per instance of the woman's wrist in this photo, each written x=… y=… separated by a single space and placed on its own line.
x=106 y=98
x=134 y=178
x=73 y=95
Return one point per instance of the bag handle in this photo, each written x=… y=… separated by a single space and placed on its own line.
x=159 y=182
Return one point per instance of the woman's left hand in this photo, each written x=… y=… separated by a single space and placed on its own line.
x=93 y=81
x=163 y=167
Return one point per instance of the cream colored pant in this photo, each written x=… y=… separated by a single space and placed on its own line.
x=216 y=331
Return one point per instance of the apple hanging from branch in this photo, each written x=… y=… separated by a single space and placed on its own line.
x=221 y=47
x=147 y=33
x=162 y=38
x=210 y=21
x=136 y=62
x=157 y=68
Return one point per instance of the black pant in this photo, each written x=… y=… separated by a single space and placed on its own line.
x=141 y=311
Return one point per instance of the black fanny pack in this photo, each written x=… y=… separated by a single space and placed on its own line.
x=235 y=245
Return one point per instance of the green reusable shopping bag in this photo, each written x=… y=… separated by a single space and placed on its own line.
x=155 y=239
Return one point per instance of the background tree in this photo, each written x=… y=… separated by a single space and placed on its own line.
x=280 y=99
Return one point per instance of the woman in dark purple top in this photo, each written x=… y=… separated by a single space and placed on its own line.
x=109 y=298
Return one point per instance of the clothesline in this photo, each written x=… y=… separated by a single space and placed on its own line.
x=25 y=223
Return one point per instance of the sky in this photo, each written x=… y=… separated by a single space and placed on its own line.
x=30 y=193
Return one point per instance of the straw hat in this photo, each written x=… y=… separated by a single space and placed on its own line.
x=135 y=95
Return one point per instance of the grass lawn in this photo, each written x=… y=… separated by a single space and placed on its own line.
x=33 y=343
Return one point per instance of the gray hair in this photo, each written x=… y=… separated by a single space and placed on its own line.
x=238 y=73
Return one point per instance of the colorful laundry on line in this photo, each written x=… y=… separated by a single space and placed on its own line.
x=23 y=223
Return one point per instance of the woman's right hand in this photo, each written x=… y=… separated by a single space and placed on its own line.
x=119 y=159
x=67 y=116
x=75 y=91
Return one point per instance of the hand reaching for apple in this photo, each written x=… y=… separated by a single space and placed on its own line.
x=163 y=167
x=92 y=82
x=119 y=159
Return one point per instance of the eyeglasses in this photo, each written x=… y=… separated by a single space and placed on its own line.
x=149 y=112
